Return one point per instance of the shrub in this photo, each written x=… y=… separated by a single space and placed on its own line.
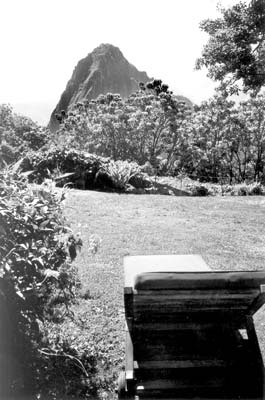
x=47 y=163
x=120 y=172
x=148 y=169
x=226 y=190
x=140 y=181
x=256 y=189
x=7 y=154
x=197 y=189
x=242 y=189
x=20 y=133
x=37 y=279
x=82 y=170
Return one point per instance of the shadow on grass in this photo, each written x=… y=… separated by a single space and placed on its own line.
x=163 y=188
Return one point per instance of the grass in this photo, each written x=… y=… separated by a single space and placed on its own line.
x=229 y=232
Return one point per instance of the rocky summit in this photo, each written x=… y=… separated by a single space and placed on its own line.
x=105 y=70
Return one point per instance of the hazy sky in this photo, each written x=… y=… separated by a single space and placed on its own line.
x=42 y=41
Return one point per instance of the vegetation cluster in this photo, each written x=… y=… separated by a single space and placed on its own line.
x=38 y=284
x=219 y=141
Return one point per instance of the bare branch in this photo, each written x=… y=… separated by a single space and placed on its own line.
x=80 y=364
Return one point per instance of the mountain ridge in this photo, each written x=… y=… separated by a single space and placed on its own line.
x=104 y=70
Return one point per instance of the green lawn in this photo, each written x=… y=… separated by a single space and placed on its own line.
x=229 y=232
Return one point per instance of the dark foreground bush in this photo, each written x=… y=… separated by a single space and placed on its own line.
x=37 y=278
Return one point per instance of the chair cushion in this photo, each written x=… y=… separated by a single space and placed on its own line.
x=199 y=280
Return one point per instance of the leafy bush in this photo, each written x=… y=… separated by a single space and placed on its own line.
x=47 y=163
x=256 y=189
x=37 y=278
x=82 y=170
x=20 y=133
x=120 y=172
x=245 y=189
x=148 y=169
x=88 y=171
x=206 y=189
x=242 y=190
x=8 y=155
x=73 y=371
x=197 y=189
x=140 y=181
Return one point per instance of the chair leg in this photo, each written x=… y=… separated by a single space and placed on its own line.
x=254 y=345
x=123 y=390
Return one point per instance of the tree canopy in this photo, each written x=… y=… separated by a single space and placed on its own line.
x=150 y=122
x=235 y=51
x=18 y=134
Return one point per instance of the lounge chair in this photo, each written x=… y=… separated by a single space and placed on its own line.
x=190 y=331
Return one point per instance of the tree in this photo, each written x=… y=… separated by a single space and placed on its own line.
x=19 y=134
x=236 y=47
x=150 y=122
x=99 y=126
x=226 y=142
x=251 y=149
x=210 y=154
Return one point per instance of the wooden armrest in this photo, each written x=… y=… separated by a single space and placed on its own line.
x=258 y=302
x=129 y=364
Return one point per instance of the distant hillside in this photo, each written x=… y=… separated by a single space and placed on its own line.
x=105 y=70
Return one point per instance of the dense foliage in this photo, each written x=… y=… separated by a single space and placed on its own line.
x=236 y=47
x=121 y=172
x=141 y=128
x=37 y=278
x=227 y=141
x=218 y=141
x=75 y=168
x=18 y=135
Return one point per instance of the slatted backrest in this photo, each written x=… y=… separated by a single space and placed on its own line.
x=183 y=326
x=195 y=296
x=193 y=323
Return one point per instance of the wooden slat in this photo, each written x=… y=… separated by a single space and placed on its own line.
x=129 y=361
x=257 y=303
x=253 y=341
x=206 y=315
x=190 y=302
x=185 y=325
x=172 y=364
x=177 y=314
x=186 y=301
x=189 y=306
x=170 y=384
x=160 y=353
x=128 y=302
x=197 y=292
x=213 y=333
x=186 y=347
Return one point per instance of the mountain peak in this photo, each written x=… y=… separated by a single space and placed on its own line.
x=105 y=48
x=104 y=70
